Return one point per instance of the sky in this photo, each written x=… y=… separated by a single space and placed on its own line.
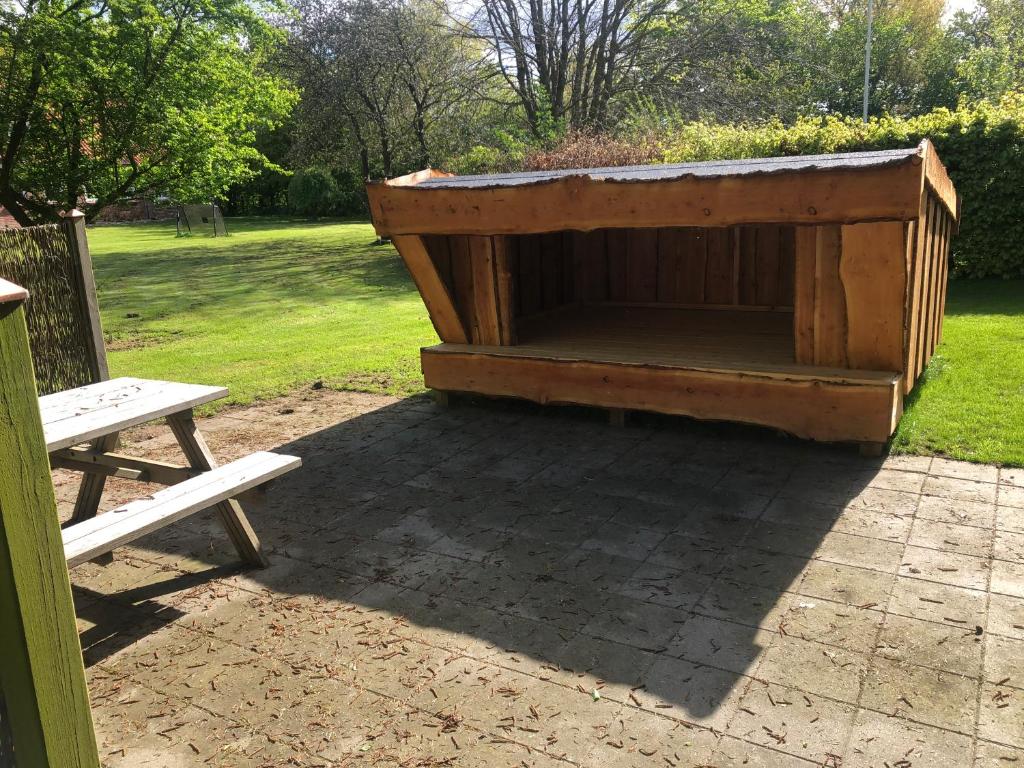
x=952 y=6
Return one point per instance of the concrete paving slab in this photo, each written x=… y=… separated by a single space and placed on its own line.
x=501 y=585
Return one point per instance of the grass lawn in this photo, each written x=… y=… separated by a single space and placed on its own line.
x=278 y=304
x=970 y=403
x=282 y=303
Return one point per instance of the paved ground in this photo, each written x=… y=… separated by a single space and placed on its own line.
x=500 y=585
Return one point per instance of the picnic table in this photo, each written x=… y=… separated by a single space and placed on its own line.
x=95 y=414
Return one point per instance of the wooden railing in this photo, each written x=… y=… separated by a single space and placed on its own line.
x=44 y=703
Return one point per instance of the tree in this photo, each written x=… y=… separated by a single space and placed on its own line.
x=567 y=60
x=103 y=99
x=740 y=60
x=388 y=80
x=906 y=33
x=312 y=192
x=995 y=63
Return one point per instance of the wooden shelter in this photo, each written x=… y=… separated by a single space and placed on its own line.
x=802 y=293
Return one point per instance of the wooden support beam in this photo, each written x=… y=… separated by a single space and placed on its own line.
x=43 y=690
x=435 y=294
x=580 y=203
x=815 y=408
x=504 y=257
x=485 y=291
x=74 y=228
x=118 y=465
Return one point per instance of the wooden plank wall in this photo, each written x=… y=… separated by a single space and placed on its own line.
x=719 y=267
x=929 y=273
x=851 y=289
x=478 y=275
x=714 y=267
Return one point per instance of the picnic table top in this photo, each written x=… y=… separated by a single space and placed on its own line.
x=77 y=415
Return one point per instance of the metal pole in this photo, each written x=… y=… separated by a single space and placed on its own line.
x=867 y=57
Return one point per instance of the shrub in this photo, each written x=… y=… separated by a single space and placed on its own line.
x=312 y=192
x=580 y=149
x=981 y=144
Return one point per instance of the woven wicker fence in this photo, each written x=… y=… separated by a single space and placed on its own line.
x=43 y=259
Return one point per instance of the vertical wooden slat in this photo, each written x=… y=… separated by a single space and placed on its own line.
x=923 y=246
x=913 y=232
x=913 y=320
x=670 y=263
x=805 y=258
x=592 y=261
x=42 y=681
x=829 y=301
x=531 y=293
x=718 y=288
x=874 y=281
x=504 y=268
x=734 y=241
x=940 y=280
x=462 y=283
x=485 y=290
x=767 y=272
x=569 y=294
x=747 y=266
x=945 y=274
x=926 y=288
x=551 y=269
x=618 y=260
x=578 y=250
x=933 y=282
x=787 y=266
x=692 y=277
x=642 y=265
x=436 y=297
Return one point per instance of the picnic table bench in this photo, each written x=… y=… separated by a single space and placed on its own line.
x=83 y=410
x=94 y=412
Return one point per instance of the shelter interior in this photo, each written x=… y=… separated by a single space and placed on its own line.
x=717 y=297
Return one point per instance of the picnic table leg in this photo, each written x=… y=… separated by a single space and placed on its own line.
x=91 y=491
x=230 y=512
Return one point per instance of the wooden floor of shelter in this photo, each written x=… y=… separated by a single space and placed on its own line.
x=503 y=585
x=720 y=340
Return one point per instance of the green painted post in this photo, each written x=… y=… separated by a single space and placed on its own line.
x=44 y=703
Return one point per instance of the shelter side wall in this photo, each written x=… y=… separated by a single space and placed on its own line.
x=928 y=279
x=851 y=295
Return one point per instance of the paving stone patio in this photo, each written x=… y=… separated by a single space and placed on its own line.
x=503 y=585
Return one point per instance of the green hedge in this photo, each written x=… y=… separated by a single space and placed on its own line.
x=981 y=144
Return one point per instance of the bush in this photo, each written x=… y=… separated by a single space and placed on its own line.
x=982 y=146
x=312 y=192
x=591 y=150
